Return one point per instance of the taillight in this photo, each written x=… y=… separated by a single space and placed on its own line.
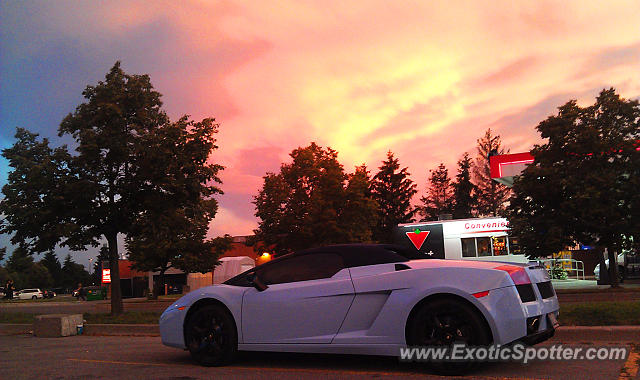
x=518 y=274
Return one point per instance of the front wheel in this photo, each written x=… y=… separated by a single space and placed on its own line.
x=445 y=322
x=211 y=336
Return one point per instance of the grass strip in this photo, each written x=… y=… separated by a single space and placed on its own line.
x=600 y=313
x=129 y=317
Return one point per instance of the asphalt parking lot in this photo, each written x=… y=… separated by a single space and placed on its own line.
x=28 y=357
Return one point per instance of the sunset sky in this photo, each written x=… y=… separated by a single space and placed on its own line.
x=423 y=79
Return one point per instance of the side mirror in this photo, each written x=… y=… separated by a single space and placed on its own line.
x=256 y=282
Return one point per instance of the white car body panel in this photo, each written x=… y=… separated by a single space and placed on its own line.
x=297 y=312
x=364 y=309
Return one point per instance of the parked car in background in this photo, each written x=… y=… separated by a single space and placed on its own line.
x=48 y=293
x=28 y=294
x=628 y=266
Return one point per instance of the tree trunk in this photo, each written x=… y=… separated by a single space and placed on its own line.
x=613 y=268
x=157 y=285
x=114 y=258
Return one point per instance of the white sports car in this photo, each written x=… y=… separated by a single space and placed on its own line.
x=362 y=299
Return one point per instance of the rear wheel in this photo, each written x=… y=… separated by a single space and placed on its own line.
x=445 y=322
x=34 y=297
x=211 y=336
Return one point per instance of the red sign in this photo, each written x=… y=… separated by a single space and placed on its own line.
x=106 y=276
x=418 y=238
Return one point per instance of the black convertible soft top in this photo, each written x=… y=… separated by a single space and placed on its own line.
x=357 y=255
x=353 y=255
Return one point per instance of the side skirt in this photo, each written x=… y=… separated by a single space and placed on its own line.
x=353 y=349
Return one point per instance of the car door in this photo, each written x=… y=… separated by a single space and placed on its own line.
x=306 y=301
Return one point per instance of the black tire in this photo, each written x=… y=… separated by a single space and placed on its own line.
x=211 y=336
x=34 y=297
x=444 y=322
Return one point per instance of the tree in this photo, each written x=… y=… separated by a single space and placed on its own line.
x=51 y=262
x=109 y=185
x=312 y=202
x=359 y=217
x=103 y=255
x=74 y=273
x=25 y=273
x=33 y=205
x=491 y=195
x=439 y=198
x=178 y=202
x=582 y=186
x=3 y=251
x=464 y=198
x=392 y=189
x=106 y=186
x=19 y=261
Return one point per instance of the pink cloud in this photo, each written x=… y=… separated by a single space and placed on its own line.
x=423 y=80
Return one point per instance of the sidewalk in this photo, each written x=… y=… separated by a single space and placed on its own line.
x=573 y=285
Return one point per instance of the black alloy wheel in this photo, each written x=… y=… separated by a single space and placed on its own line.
x=211 y=336
x=445 y=322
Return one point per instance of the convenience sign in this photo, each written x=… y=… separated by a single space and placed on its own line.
x=106 y=276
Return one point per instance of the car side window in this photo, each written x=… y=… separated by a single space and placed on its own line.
x=301 y=268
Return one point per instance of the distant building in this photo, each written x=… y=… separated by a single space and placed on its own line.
x=177 y=281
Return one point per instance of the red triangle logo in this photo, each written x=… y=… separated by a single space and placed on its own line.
x=418 y=238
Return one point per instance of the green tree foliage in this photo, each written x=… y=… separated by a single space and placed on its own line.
x=178 y=201
x=491 y=196
x=4 y=276
x=122 y=165
x=464 y=199
x=360 y=216
x=74 y=273
x=583 y=185
x=109 y=129
x=392 y=189
x=19 y=261
x=51 y=262
x=312 y=202
x=439 y=199
x=25 y=273
x=33 y=204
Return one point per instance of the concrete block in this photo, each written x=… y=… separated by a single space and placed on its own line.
x=56 y=325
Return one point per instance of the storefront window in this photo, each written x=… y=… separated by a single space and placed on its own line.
x=514 y=246
x=469 y=247
x=499 y=245
x=484 y=246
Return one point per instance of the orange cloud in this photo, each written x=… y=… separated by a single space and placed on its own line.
x=423 y=79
